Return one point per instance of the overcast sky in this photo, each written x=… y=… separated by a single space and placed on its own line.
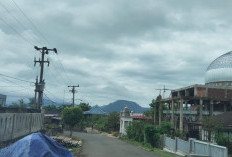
x=122 y=49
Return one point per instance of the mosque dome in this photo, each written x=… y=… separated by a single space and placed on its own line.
x=219 y=72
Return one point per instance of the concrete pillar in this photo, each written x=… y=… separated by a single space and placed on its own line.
x=211 y=108
x=181 y=115
x=160 y=113
x=200 y=109
x=186 y=105
x=123 y=127
x=154 y=114
x=172 y=120
x=120 y=130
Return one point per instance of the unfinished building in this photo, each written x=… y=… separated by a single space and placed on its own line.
x=188 y=105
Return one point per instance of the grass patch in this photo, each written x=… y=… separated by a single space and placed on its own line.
x=75 y=151
x=148 y=147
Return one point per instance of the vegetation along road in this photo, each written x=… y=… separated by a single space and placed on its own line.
x=97 y=145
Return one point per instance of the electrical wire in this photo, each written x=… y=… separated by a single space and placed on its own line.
x=15 y=78
x=18 y=21
x=30 y=21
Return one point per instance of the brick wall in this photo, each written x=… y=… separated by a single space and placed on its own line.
x=216 y=93
x=201 y=92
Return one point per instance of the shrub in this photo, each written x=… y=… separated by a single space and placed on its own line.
x=224 y=141
x=152 y=135
x=166 y=128
x=135 y=131
x=102 y=124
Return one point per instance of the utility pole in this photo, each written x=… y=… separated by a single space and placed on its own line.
x=73 y=91
x=36 y=87
x=164 y=90
x=41 y=84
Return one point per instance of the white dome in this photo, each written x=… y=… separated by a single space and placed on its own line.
x=220 y=70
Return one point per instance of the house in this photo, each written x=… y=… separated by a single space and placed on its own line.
x=127 y=116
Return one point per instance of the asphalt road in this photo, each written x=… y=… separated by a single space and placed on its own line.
x=96 y=145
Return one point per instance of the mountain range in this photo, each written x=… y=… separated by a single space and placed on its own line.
x=116 y=106
x=119 y=105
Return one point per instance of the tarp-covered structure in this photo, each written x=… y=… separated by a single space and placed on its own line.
x=95 y=110
x=35 y=145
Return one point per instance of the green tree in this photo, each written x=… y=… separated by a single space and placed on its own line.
x=71 y=116
x=113 y=121
x=102 y=123
x=19 y=104
x=61 y=107
x=85 y=106
x=31 y=103
x=152 y=135
x=155 y=108
x=135 y=131
x=212 y=125
x=166 y=128
x=50 y=107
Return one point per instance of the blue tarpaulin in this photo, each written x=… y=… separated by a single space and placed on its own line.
x=35 y=145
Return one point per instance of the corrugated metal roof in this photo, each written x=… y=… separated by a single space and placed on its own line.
x=96 y=110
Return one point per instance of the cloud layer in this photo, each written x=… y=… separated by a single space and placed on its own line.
x=112 y=49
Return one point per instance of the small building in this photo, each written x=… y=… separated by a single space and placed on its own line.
x=127 y=116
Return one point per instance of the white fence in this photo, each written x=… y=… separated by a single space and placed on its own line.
x=195 y=147
x=14 y=125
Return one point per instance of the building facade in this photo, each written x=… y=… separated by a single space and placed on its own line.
x=188 y=105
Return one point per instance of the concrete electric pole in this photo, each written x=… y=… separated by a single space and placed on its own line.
x=164 y=90
x=35 y=98
x=73 y=91
x=41 y=84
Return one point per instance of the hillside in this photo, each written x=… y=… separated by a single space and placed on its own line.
x=119 y=105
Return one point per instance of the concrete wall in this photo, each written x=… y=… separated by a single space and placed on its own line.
x=14 y=125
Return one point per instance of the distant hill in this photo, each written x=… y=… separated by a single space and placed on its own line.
x=47 y=102
x=119 y=105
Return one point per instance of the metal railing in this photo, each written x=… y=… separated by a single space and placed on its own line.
x=195 y=147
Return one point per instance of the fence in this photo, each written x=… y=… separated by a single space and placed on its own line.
x=195 y=147
x=14 y=125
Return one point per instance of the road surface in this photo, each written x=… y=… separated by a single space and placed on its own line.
x=97 y=145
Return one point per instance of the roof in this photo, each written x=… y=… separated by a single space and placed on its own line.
x=225 y=118
x=96 y=110
x=220 y=69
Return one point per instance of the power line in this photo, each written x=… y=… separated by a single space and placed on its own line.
x=15 y=83
x=49 y=98
x=16 y=78
x=18 y=21
x=52 y=94
x=30 y=21
x=16 y=31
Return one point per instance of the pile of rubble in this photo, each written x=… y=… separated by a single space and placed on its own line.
x=67 y=142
